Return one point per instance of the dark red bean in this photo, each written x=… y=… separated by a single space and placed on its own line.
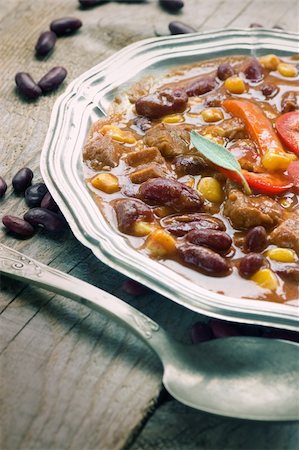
x=213 y=239
x=201 y=86
x=161 y=103
x=178 y=27
x=256 y=239
x=45 y=43
x=181 y=225
x=288 y=335
x=27 y=86
x=22 y=180
x=250 y=263
x=172 y=5
x=256 y=25
x=254 y=70
x=134 y=288
x=224 y=71
x=204 y=259
x=269 y=90
x=128 y=211
x=91 y=3
x=222 y=329
x=35 y=193
x=3 y=187
x=48 y=219
x=189 y=164
x=48 y=202
x=169 y=192
x=201 y=332
x=52 y=79
x=65 y=25
x=18 y=226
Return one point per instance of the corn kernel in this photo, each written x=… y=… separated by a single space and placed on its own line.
x=266 y=279
x=287 y=70
x=270 y=62
x=117 y=134
x=281 y=254
x=173 y=118
x=106 y=182
x=160 y=243
x=142 y=228
x=212 y=115
x=277 y=160
x=235 y=85
x=211 y=189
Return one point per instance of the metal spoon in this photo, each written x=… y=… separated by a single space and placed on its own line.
x=244 y=377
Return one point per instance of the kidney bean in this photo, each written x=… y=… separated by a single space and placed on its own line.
x=201 y=332
x=172 y=5
x=161 y=103
x=256 y=25
x=178 y=27
x=201 y=86
x=128 y=211
x=27 y=86
x=269 y=90
x=22 y=179
x=256 y=239
x=35 y=193
x=48 y=219
x=223 y=329
x=224 y=71
x=134 y=288
x=169 y=192
x=65 y=25
x=52 y=79
x=204 y=259
x=214 y=239
x=250 y=263
x=181 y=225
x=48 y=202
x=3 y=187
x=18 y=226
x=254 y=70
x=91 y=3
x=45 y=43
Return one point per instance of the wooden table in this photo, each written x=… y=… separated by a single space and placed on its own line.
x=70 y=379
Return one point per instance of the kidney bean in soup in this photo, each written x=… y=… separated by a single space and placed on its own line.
x=178 y=208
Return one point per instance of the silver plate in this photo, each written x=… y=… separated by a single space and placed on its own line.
x=87 y=99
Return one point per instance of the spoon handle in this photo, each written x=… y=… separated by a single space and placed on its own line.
x=21 y=267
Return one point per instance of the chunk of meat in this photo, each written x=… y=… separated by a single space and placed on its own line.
x=169 y=139
x=101 y=152
x=247 y=154
x=145 y=173
x=289 y=101
x=128 y=211
x=189 y=164
x=144 y=156
x=172 y=193
x=287 y=233
x=246 y=211
x=230 y=128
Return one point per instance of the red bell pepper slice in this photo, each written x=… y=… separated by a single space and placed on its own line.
x=258 y=125
x=293 y=173
x=287 y=127
x=264 y=183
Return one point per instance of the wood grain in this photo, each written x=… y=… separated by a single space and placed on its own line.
x=70 y=379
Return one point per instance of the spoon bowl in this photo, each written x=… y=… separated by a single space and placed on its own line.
x=243 y=377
